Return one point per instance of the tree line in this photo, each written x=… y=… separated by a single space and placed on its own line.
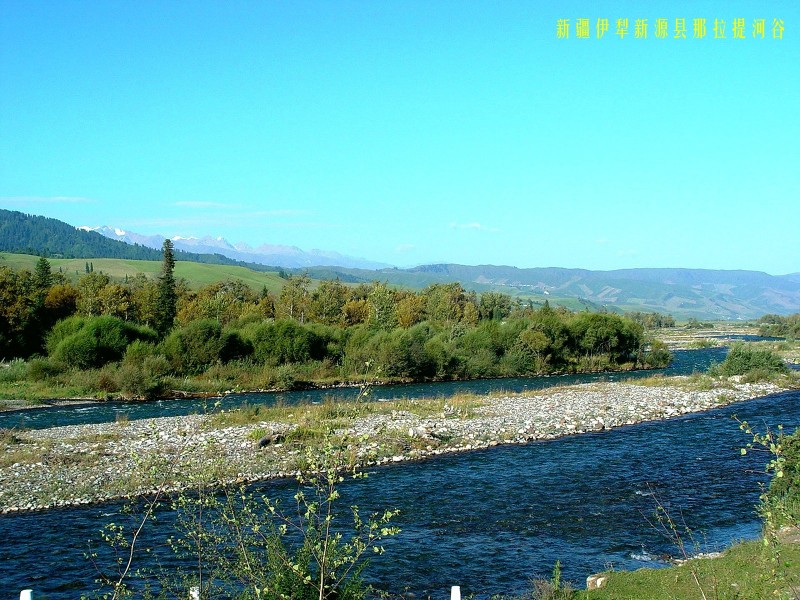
x=779 y=326
x=156 y=328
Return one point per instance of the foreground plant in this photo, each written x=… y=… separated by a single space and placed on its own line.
x=248 y=546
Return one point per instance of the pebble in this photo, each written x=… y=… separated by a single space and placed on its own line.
x=81 y=464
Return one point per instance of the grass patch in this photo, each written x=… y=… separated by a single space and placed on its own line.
x=9 y=437
x=788 y=350
x=23 y=453
x=461 y=406
x=340 y=414
x=696 y=382
x=249 y=414
x=96 y=438
x=747 y=570
x=702 y=343
x=306 y=434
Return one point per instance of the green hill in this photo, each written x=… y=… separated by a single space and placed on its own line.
x=196 y=274
x=22 y=233
x=703 y=294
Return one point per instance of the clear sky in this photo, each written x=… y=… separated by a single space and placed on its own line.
x=413 y=132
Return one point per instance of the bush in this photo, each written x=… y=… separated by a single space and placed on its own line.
x=778 y=326
x=789 y=483
x=64 y=329
x=480 y=349
x=85 y=342
x=284 y=342
x=252 y=547
x=754 y=362
x=234 y=347
x=194 y=348
x=78 y=350
x=285 y=377
x=440 y=351
x=39 y=369
x=597 y=333
x=657 y=355
x=400 y=353
x=138 y=381
x=16 y=370
x=138 y=351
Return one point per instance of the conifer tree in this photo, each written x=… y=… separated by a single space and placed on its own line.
x=167 y=299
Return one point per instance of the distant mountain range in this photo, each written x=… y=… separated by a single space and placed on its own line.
x=290 y=257
x=32 y=234
x=700 y=293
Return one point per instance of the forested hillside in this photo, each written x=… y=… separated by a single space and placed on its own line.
x=31 y=234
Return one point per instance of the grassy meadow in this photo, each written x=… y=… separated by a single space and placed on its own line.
x=196 y=275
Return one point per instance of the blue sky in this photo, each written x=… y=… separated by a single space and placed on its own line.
x=412 y=132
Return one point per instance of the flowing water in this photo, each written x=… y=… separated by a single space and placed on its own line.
x=685 y=362
x=489 y=520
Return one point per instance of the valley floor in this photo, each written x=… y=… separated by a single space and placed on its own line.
x=93 y=463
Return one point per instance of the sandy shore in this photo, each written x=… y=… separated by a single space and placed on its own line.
x=83 y=464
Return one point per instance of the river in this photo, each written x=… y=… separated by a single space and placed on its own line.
x=685 y=362
x=490 y=520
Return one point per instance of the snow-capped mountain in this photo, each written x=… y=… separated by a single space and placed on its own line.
x=265 y=254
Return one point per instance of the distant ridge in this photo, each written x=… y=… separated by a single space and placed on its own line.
x=701 y=293
x=32 y=234
x=290 y=257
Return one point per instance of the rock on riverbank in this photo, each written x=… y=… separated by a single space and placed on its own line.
x=90 y=463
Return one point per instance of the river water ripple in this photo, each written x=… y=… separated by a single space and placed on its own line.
x=489 y=520
x=685 y=362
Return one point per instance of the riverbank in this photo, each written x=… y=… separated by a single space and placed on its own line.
x=84 y=464
x=750 y=569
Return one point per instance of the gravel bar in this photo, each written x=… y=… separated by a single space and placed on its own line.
x=84 y=464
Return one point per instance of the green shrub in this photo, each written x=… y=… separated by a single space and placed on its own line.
x=789 y=482
x=85 y=342
x=194 y=348
x=138 y=351
x=157 y=365
x=107 y=379
x=400 y=353
x=480 y=363
x=754 y=362
x=138 y=381
x=252 y=547
x=598 y=333
x=439 y=350
x=480 y=349
x=657 y=356
x=78 y=350
x=39 y=369
x=332 y=340
x=234 y=347
x=282 y=342
x=285 y=377
x=16 y=370
x=778 y=326
x=594 y=363
x=64 y=329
